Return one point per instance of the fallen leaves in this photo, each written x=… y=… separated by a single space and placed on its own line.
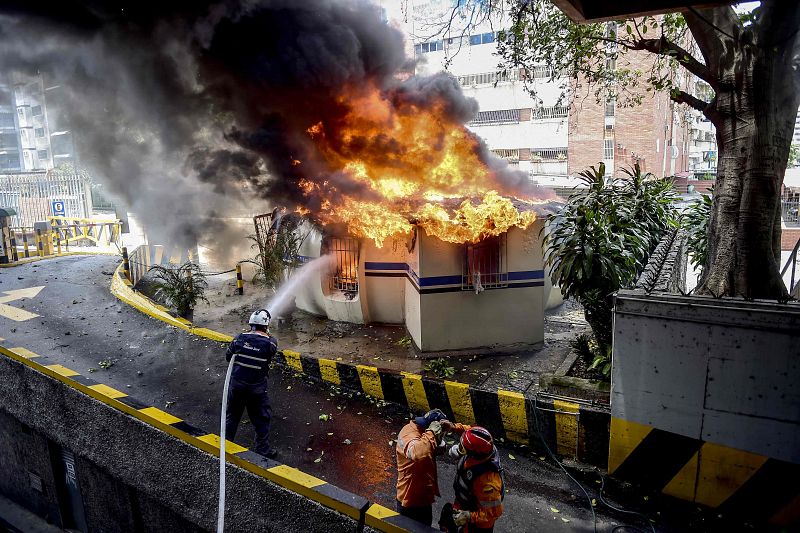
x=324 y=417
x=512 y=457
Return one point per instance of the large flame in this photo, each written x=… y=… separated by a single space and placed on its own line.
x=407 y=161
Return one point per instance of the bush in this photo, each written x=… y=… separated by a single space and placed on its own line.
x=602 y=238
x=279 y=256
x=181 y=287
x=695 y=221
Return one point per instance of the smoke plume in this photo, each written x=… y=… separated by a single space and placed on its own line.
x=189 y=109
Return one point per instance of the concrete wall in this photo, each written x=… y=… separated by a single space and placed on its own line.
x=705 y=397
x=137 y=468
x=384 y=280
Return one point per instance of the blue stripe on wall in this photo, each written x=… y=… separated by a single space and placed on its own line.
x=526 y=274
x=386 y=266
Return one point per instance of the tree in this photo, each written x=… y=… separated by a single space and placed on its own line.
x=752 y=65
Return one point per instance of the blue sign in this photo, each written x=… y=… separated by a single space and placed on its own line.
x=58 y=208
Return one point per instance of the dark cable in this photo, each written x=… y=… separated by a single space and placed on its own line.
x=619 y=509
x=553 y=457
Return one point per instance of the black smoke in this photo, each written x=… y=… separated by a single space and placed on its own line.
x=188 y=108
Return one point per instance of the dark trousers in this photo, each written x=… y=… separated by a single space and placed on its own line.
x=421 y=513
x=253 y=397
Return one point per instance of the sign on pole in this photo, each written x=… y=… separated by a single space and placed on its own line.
x=58 y=208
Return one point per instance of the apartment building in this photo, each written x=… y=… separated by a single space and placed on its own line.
x=549 y=137
x=32 y=134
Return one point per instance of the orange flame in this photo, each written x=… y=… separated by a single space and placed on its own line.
x=408 y=160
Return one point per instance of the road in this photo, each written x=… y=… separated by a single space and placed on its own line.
x=80 y=324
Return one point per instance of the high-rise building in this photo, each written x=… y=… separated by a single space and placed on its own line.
x=32 y=136
x=796 y=136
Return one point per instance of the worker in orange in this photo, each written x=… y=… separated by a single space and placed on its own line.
x=417 y=481
x=478 y=486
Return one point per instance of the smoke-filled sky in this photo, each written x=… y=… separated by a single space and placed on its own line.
x=191 y=108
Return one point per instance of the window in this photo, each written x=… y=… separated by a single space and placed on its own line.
x=417 y=49
x=6 y=120
x=611 y=105
x=36 y=111
x=487 y=38
x=485 y=265
x=506 y=116
x=474 y=39
x=548 y=154
x=509 y=154
x=42 y=155
x=425 y=47
x=608 y=149
x=39 y=132
x=344 y=273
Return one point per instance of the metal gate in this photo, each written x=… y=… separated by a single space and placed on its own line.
x=33 y=195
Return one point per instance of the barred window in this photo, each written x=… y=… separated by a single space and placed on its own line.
x=509 y=154
x=505 y=116
x=488 y=78
x=608 y=149
x=611 y=105
x=485 y=265
x=343 y=275
x=545 y=113
x=549 y=154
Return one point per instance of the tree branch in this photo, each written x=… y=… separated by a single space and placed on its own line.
x=683 y=97
x=710 y=29
x=665 y=47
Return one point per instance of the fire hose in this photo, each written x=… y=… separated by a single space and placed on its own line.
x=221 y=508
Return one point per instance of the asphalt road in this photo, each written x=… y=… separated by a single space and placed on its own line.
x=81 y=325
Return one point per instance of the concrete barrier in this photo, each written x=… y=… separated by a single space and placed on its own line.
x=88 y=456
x=706 y=402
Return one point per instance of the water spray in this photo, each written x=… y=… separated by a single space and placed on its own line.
x=275 y=305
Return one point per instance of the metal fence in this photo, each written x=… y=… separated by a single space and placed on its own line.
x=790 y=210
x=36 y=196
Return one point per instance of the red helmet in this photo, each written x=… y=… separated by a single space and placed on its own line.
x=477 y=441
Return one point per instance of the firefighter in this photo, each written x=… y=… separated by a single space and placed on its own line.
x=248 y=387
x=417 y=481
x=478 y=486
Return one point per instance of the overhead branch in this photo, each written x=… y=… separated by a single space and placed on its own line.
x=711 y=29
x=682 y=97
x=665 y=47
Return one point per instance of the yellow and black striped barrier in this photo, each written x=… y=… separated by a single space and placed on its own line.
x=126 y=266
x=239 y=282
x=571 y=429
x=737 y=483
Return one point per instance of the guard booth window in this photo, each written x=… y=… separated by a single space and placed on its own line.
x=344 y=272
x=485 y=265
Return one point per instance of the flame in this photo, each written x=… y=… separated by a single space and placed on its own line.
x=402 y=163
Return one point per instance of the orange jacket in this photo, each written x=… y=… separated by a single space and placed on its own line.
x=417 y=482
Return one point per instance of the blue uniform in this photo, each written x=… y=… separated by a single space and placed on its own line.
x=248 y=387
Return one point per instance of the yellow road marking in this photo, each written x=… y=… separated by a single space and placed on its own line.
x=230 y=447
x=625 y=437
x=161 y=416
x=328 y=371
x=293 y=359
x=24 y=352
x=105 y=390
x=62 y=370
x=370 y=380
x=14 y=313
x=297 y=476
x=512 y=411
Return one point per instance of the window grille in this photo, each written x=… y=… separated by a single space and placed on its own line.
x=488 y=78
x=509 y=154
x=505 y=116
x=344 y=273
x=549 y=154
x=608 y=149
x=611 y=105
x=545 y=113
x=485 y=265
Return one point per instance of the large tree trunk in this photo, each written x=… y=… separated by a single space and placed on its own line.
x=754 y=116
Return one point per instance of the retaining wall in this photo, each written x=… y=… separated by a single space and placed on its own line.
x=87 y=456
x=705 y=397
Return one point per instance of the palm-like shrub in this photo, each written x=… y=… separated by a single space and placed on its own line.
x=601 y=240
x=181 y=287
x=279 y=255
x=695 y=221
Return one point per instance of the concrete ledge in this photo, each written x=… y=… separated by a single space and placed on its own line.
x=33 y=259
x=97 y=435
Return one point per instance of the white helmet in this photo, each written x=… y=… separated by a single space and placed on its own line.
x=260 y=318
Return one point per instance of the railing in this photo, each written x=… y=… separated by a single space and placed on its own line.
x=32 y=194
x=794 y=289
